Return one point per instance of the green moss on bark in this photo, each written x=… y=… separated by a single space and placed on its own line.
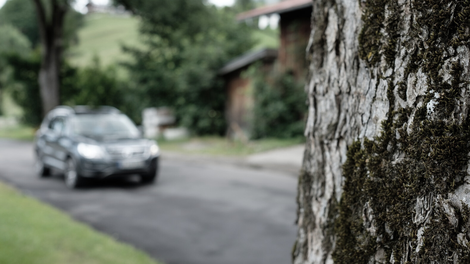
x=354 y=243
x=386 y=175
x=371 y=35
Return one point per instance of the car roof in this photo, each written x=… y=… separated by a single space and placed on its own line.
x=83 y=109
x=64 y=111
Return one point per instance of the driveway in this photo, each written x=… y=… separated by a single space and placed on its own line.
x=198 y=213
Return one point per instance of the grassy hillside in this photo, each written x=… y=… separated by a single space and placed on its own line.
x=267 y=38
x=103 y=35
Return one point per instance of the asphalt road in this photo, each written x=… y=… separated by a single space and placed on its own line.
x=197 y=213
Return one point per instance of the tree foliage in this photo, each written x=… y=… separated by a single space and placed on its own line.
x=22 y=15
x=279 y=105
x=185 y=44
x=244 y=5
x=25 y=86
x=96 y=85
x=50 y=27
x=52 y=18
x=12 y=41
x=92 y=85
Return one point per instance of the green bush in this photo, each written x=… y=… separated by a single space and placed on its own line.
x=95 y=85
x=12 y=41
x=279 y=106
x=185 y=45
x=92 y=85
x=21 y=14
x=24 y=86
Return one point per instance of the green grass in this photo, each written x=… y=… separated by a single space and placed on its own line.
x=31 y=232
x=218 y=146
x=102 y=36
x=266 y=38
x=20 y=132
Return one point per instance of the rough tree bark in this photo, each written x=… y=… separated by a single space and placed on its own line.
x=385 y=176
x=51 y=30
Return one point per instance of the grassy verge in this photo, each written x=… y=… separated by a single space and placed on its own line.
x=19 y=132
x=31 y=232
x=218 y=146
x=211 y=146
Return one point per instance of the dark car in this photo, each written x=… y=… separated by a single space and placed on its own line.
x=93 y=143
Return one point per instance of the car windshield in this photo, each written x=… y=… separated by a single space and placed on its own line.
x=104 y=126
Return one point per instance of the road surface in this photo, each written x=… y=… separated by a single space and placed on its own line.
x=197 y=213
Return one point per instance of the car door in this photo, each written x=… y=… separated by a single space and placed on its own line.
x=64 y=143
x=53 y=152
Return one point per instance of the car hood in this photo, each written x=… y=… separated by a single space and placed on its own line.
x=116 y=142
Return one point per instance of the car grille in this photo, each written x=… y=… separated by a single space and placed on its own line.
x=126 y=152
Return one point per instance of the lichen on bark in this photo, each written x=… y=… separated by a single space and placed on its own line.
x=395 y=150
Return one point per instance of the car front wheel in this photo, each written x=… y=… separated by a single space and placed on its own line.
x=151 y=176
x=41 y=169
x=72 y=179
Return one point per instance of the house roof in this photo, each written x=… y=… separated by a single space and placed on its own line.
x=247 y=59
x=279 y=8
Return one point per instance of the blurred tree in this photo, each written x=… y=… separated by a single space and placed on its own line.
x=244 y=5
x=185 y=44
x=25 y=87
x=91 y=85
x=96 y=85
x=56 y=30
x=51 y=16
x=22 y=15
x=11 y=41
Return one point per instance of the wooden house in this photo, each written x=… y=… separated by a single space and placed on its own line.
x=295 y=28
x=239 y=93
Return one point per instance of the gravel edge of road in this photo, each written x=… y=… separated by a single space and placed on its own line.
x=232 y=161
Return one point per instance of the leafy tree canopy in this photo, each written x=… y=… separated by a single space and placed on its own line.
x=12 y=40
x=91 y=85
x=22 y=15
x=186 y=42
x=244 y=5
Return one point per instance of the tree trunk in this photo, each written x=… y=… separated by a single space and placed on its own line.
x=385 y=176
x=51 y=39
x=49 y=81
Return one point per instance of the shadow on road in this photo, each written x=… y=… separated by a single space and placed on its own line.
x=129 y=182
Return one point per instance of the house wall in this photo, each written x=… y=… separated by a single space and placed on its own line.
x=239 y=104
x=295 y=28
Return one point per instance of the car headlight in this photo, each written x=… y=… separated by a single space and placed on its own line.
x=154 y=149
x=90 y=151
